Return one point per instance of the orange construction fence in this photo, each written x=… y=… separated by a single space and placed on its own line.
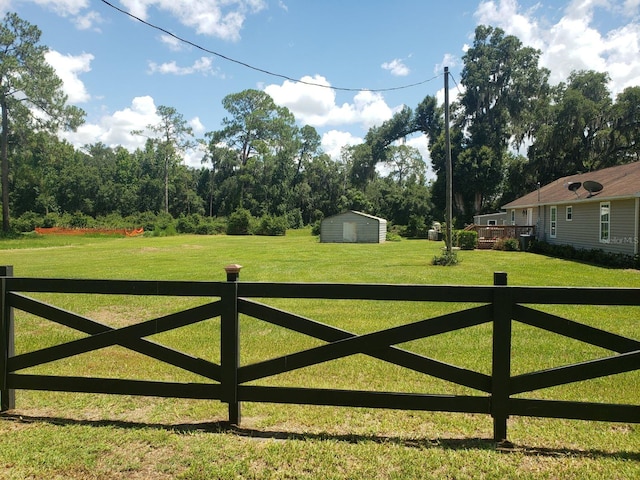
x=87 y=231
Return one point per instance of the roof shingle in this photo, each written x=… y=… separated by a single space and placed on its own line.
x=622 y=181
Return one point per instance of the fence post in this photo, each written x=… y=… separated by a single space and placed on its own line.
x=230 y=344
x=7 y=345
x=501 y=361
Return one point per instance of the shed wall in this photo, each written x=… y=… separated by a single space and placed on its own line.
x=352 y=227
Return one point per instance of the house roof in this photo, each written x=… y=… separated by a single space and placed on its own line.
x=622 y=181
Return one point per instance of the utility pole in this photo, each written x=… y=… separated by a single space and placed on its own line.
x=449 y=215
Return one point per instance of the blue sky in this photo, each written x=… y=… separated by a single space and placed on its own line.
x=119 y=70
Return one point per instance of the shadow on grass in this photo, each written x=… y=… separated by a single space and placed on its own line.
x=225 y=427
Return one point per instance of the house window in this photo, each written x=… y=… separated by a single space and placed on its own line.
x=569 y=213
x=605 y=219
x=553 y=224
x=513 y=217
x=491 y=223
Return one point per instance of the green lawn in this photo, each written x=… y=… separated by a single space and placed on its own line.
x=57 y=435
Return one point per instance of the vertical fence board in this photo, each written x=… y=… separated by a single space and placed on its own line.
x=230 y=344
x=501 y=359
x=7 y=395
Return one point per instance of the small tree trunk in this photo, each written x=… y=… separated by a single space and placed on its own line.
x=5 y=166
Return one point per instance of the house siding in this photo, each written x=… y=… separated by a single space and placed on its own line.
x=353 y=227
x=500 y=218
x=583 y=231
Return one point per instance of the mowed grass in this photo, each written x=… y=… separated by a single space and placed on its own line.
x=60 y=435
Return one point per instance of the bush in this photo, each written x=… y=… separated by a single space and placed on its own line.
x=392 y=236
x=146 y=220
x=50 y=220
x=112 y=221
x=188 y=224
x=466 y=239
x=595 y=256
x=212 y=226
x=27 y=222
x=506 y=244
x=80 y=220
x=272 y=226
x=316 y=227
x=416 y=227
x=239 y=222
x=294 y=219
x=447 y=259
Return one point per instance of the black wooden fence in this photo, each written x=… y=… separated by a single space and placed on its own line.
x=500 y=305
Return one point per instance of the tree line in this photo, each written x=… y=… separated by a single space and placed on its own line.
x=262 y=163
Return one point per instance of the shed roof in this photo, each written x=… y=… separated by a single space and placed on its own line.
x=373 y=217
x=622 y=181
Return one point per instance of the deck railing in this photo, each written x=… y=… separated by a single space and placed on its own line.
x=489 y=234
x=228 y=381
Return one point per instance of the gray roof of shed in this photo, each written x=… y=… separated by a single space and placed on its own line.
x=373 y=217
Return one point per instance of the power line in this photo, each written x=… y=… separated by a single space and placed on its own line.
x=261 y=70
x=457 y=86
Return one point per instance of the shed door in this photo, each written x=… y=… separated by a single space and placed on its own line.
x=349 y=232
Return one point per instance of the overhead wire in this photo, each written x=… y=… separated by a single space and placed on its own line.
x=261 y=70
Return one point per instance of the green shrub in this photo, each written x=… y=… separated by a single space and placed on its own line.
x=50 y=220
x=146 y=220
x=212 y=226
x=112 y=220
x=447 y=259
x=80 y=220
x=506 y=244
x=294 y=219
x=316 y=227
x=595 y=256
x=392 y=236
x=188 y=223
x=466 y=239
x=164 y=226
x=240 y=222
x=271 y=226
x=27 y=222
x=416 y=227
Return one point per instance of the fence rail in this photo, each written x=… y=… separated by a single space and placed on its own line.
x=500 y=305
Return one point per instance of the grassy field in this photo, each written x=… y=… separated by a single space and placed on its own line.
x=58 y=435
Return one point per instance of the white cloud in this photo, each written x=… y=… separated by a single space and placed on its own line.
x=572 y=42
x=396 y=67
x=316 y=105
x=196 y=125
x=334 y=140
x=87 y=21
x=310 y=104
x=173 y=43
x=219 y=18
x=64 y=7
x=68 y=67
x=203 y=65
x=115 y=130
x=448 y=60
x=421 y=142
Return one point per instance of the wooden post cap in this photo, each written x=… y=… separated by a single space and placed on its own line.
x=233 y=268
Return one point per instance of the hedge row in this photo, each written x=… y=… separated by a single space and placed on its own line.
x=240 y=222
x=595 y=256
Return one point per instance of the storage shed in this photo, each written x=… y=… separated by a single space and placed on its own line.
x=353 y=227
